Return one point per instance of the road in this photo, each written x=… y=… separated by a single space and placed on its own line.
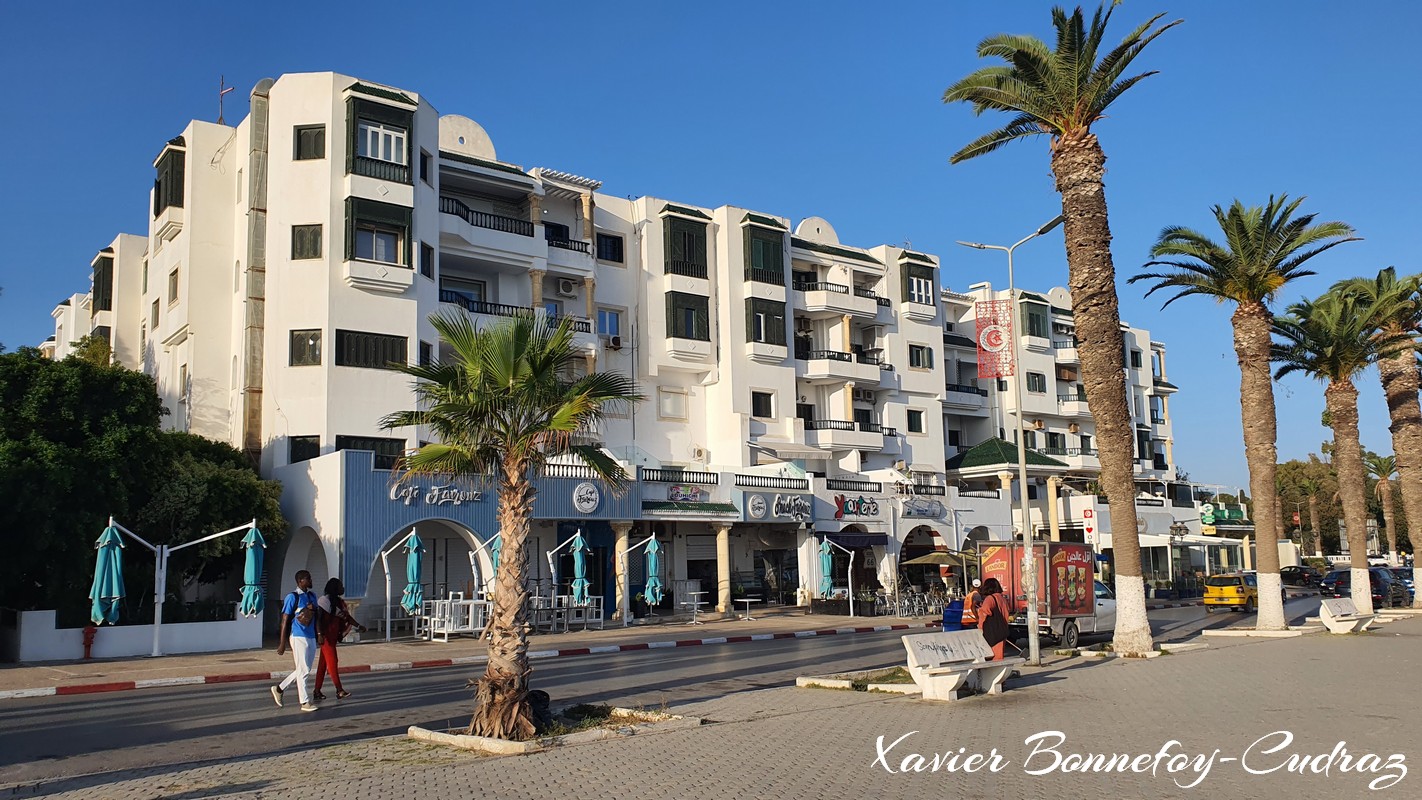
x=74 y=735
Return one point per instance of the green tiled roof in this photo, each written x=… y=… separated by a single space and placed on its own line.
x=684 y=211
x=1035 y=297
x=829 y=249
x=1165 y=384
x=769 y=222
x=960 y=341
x=912 y=256
x=376 y=91
x=686 y=506
x=996 y=452
x=1065 y=312
x=479 y=162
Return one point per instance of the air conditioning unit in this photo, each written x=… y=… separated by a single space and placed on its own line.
x=698 y=453
x=900 y=465
x=566 y=288
x=802 y=325
x=614 y=343
x=1073 y=428
x=1038 y=424
x=866 y=395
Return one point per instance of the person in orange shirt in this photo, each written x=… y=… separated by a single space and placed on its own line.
x=970 y=605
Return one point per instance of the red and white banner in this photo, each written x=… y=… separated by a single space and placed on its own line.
x=994 y=338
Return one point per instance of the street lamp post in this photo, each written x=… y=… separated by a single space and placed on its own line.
x=1029 y=560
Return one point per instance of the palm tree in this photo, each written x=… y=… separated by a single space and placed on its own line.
x=1062 y=92
x=1311 y=487
x=1333 y=339
x=502 y=406
x=1383 y=468
x=1263 y=250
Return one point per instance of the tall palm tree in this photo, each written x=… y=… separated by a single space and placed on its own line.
x=1383 y=468
x=1062 y=92
x=1333 y=339
x=1311 y=487
x=1263 y=250
x=502 y=405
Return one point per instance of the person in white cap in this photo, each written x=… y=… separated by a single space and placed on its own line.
x=970 y=605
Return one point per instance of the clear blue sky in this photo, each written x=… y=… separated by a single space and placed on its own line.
x=825 y=108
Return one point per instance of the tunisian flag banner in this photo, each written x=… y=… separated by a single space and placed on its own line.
x=994 y=338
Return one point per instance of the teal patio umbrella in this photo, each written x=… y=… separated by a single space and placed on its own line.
x=580 y=570
x=495 y=550
x=107 y=591
x=251 y=604
x=653 y=590
x=413 y=600
x=826 y=568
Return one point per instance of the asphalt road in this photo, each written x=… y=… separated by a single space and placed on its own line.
x=74 y=735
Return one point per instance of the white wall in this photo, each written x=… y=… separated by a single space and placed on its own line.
x=37 y=638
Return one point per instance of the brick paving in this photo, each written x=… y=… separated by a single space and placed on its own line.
x=806 y=743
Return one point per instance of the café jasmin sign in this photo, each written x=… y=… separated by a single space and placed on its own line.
x=437 y=495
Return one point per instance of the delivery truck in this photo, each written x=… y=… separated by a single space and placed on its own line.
x=1070 y=601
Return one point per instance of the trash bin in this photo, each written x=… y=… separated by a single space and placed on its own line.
x=953 y=616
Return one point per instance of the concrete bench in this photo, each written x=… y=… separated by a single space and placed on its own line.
x=944 y=664
x=1339 y=615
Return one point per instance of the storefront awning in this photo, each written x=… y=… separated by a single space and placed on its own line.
x=789 y=451
x=857 y=539
x=687 y=508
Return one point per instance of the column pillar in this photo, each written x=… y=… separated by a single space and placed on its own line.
x=723 y=567
x=1004 y=478
x=535 y=285
x=849 y=400
x=588 y=219
x=844 y=336
x=1053 y=516
x=535 y=210
x=589 y=283
x=621 y=530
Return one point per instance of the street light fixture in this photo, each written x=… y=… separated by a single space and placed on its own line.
x=1029 y=561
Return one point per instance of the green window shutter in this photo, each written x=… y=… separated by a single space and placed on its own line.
x=671 y=315
x=703 y=320
x=907 y=272
x=675 y=244
x=750 y=251
x=350 y=136
x=750 y=318
x=699 y=245
x=176 y=198
x=350 y=228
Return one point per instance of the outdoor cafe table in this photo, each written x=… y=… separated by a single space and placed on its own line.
x=747 y=600
x=696 y=603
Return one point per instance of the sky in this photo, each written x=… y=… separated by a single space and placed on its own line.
x=830 y=109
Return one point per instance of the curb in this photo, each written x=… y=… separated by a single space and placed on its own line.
x=121 y=686
x=1185 y=604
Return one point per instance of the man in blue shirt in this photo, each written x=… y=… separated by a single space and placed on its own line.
x=298 y=625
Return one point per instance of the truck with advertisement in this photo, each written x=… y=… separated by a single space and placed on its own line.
x=1070 y=601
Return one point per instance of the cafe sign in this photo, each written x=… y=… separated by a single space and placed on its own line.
x=860 y=506
x=684 y=493
x=922 y=507
x=447 y=494
x=780 y=506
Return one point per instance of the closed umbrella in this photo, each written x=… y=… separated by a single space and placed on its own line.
x=826 y=567
x=108 y=578
x=580 y=570
x=413 y=600
x=256 y=546
x=653 y=591
x=937 y=558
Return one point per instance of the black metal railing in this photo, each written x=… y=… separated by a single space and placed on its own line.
x=868 y=358
x=771 y=482
x=578 y=324
x=829 y=425
x=887 y=431
x=1160 y=463
x=577 y=471
x=870 y=427
x=1071 y=398
x=993 y=493
x=870 y=294
x=923 y=489
x=965 y=389
x=569 y=244
x=480 y=219
x=1157 y=419
x=381 y=170
x=774 y=277
x=480 y=307
x=680 y=476
x=825 y=355
x=1061 y=345
x=850 y=485
x=1088 y=451
x=690 y=269
x=821 y=286
x=1054 y=451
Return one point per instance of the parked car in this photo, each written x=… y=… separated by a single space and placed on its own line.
x=1301 y=576
x=1232 y=590
x=1404 y=574
x=1387 y=590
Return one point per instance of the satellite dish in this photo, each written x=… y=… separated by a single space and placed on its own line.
x=1140 y=525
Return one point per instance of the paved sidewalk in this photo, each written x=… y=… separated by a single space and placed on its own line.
x=1218 y=709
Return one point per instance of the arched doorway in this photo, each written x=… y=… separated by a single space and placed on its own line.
x=921 y=541
x=445 y=567
x=304 y=550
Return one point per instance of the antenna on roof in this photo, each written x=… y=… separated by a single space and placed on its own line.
x=222 y=89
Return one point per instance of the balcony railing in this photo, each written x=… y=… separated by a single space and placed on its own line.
x=1055 y=451
x=850 y=485
x=829 y=425
x=480 y=219
x=825 y=355
x=870 y=427
x=993 y=493
x=958 y=387
x=1160 y=463
x=774 y=277
x=923 y=489
x=577 y=471
x=869 y=358
x=481 y=307
x=381 y=170
x=681 y=476
x=690 y=269
x=821 y=286
x=569 y=244
x=1071 y=398
x=578 y=324
x=1058 y=344
x=1157 y=419
x=870 y=294
x=771 y=482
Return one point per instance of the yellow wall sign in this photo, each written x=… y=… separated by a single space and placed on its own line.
x=1208 y=530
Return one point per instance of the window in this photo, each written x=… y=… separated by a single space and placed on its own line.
x=671 y=403
x=915 y=421
x=609 y=322
x=1002 y=384
x=555 y=232
x=103 y=284
x=955 y=438
x=303 y=448
x=460 y=289
x=762 y=404
x=920 y=356
x=1034 y=320
x=919 y=284
x=168 y=186
x=426 y=354
x=427 y=261
x=1145 y=450
x=425 y=161
x=1135 y=359
x=1086 y=444
x=685 y=247
x=306 y=348
x=1036 y=382
x=145 y=277
x=1030 y=437
x=688 y=316
x=765 y=256
x=153 y=316
x=309 y=142
x=386 y=450
x=609 y=248
x=371 y=350
x=305 y=241
x=378 y=139
x=765 y=321
x=173 y=286
x=1056 y=442
x=183 y=384
x=381 y=142
x=377 y=244
x=377 y=232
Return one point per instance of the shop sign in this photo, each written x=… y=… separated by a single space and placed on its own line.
x=437 y=495
x=920 y=507
x=586 y=497
x=860 y=506
x=684 y=493
x=782 y=506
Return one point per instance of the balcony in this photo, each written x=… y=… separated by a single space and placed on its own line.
x=923 y=489
x=920 y=312
x=870 y=294
x=959 y=396
x=698 y=350
x=828 y=366
x=824 y=299
x=1072 y=405
x=772 y=482
x=851 y=485
x=690 y=269
x=1066 y=351
x=774 y=277
x=168 y=223
x=575 y=245
x=841 y=434
x=377 y=276
x=381 y=170
x=681 y=476
x=579 y=324
x=480 y=219
x=1157 y=419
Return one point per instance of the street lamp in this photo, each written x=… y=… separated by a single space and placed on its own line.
x=1029 y=563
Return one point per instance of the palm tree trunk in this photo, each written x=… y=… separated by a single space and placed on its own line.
x=1252 y=341
x=1080 y=167
x=1315 y=537
x=1400 y=383
x=501 y=707
x=1389 y=517
x=1342 y=403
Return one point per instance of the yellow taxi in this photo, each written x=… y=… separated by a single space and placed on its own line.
x=1232 y=590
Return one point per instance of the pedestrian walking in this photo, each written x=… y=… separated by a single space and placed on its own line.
x=992 y=617
x=298 y=625
x=336 y=622
x=970 y=605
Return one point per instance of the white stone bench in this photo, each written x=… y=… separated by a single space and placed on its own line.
x=944 y=664
x=1339 y=615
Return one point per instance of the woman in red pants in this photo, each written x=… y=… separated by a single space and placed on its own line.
x=335 y=623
